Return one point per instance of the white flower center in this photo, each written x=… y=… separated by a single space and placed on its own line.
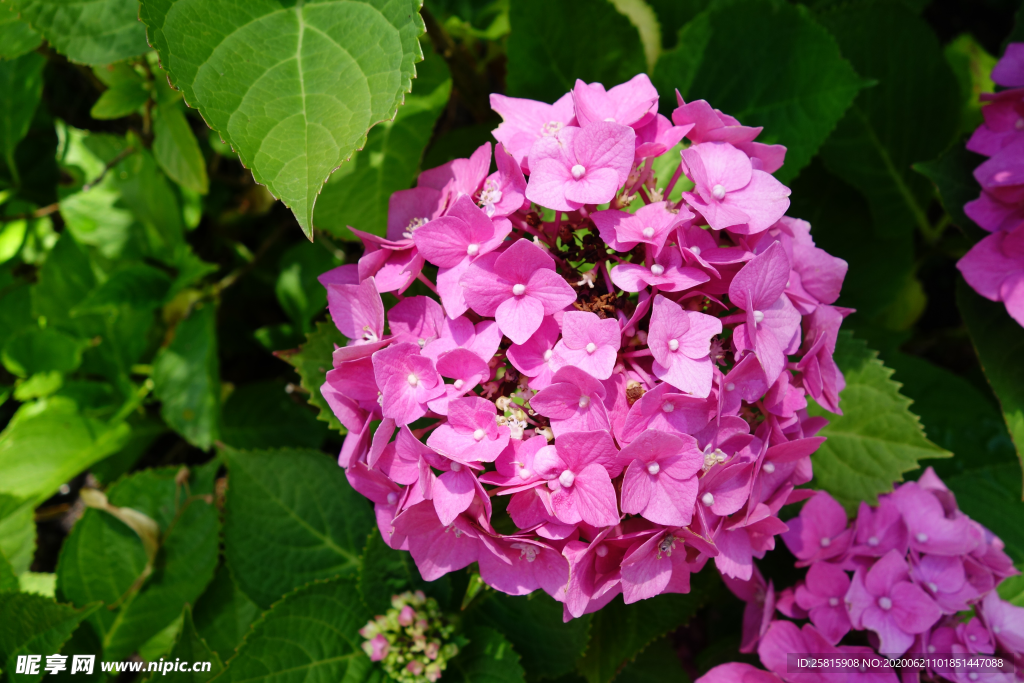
x=653 y=468
x=524 y=473
x=584 y=401
x=526 y=551
x=413 y=379
x=885 y=603
x=578 y=171
x=695 y=250
x=758 y=316
x=550 y=128
x=473 y=249
x=548 y=354
x=610 y=119
x=673 y=344
x=657 y=269
x=591 y=347
x=832 y=602
x=519 y=289
x=826 y=542
x=1019 y=124
x=708 y=499
x=392 y=498
x=768 y=467
x=730 y=387
x=479 y=435
x=933 y=587
x=459 y=383
x=873 y=541
x=648 y=232
x=921 y=538
x=456 y=467
x=601 y=551
x=718 y=192
x=417 y=222
x=566 y=478
x=668 y=407
x=997 y=630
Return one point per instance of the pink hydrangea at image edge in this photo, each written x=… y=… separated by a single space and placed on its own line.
x=994 y=267
x=599 y=415
x=914 y=573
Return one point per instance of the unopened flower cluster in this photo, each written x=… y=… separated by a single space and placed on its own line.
x=411 y=641
x=915 y=573
x=994 y=267
x=608 y=387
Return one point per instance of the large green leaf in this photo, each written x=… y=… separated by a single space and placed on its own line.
x=312 y=361
x=991 y=495
x=533 y=624
x=49 y=442
x=121 y=100
x=620 y=632
x=768 y=63
x=47 y=350
x=8 y=581
x=264 y=415
x=659 y=663
x=385 y=571
x=104 y=560
x=292 y=87
x=910 y=116
x=64 y=280
x=952 y=175
x=136 y=285
x=876 y=439
x=223 y=614
x=298 y=290
x=21 y=82
x=186 y=378
x=16 y=36
x=290 y=517
x=34 y=625
x=190 y=647
x=488 y=658
x=17 y=532
x=550 y=47
x=310 y=635
x=999 y=341
x=91 y=32
x=357 y=194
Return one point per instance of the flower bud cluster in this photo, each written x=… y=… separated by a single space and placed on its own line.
x=606 y=387
x=914 y=572
x=411 y=641
x=994 y=267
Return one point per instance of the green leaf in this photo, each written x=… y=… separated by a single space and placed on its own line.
x=357 y=194
x=12 y=236
x=659 y=663
x=190 y=647
x=16 y=36
x=998 y=341
x=223 y=614
x=17 y=532
x=641 y=15
x=177 y=150
x=292 y=89
x=972 y=66
x=33 y=624
x=310 y=635
x=121 y=100
x=94 y=32
x=64 y=280
x=620 y=632
x=952 y=175
x=290 y=517
x=49 y=442
x=533 y=624
x=911 y=115
x=21 y=82
x=876 y=439
x=768 y=63
x=104 y=560
x=38 y=583
x=488 y=658
x=8 y=581
x=312 y=361
x=186 y=378
x=1012 y=590
x=136 y=285
x=46 y=350
x=298 y=290
x=385 y=571
x=15 y=310
x=549 y=47
x=264 y=415
x=672 y=14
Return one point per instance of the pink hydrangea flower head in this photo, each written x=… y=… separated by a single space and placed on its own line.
x=525 y=121
x=710 y=125
x=459 y=177
x=407 y=382
x=633 y=103
x=462 y=234
x=665 y=271
x=651 y=224
x=518 y=287
x=1009 y=71
x=994 y=267
x=576 y=469
x=823 y=595
x=580 y=166
x=820 y=532
x=574 y=401
x=471 y=433
x=588 y=343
